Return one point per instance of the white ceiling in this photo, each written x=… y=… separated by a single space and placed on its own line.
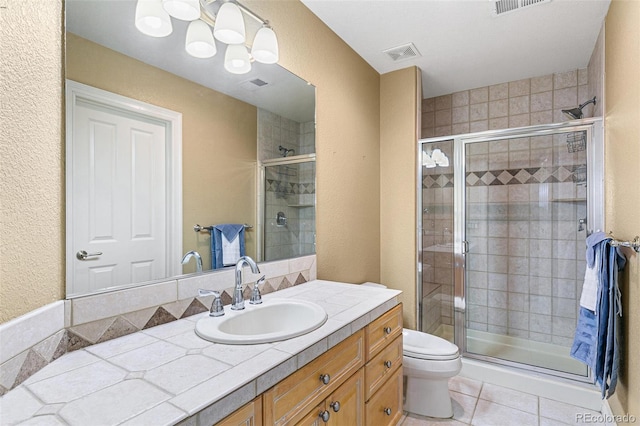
x=462 y=45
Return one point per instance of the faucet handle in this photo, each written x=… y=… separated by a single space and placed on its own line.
x=256 y=297
x=217 y=309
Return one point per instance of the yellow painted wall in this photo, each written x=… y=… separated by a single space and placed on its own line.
x=347 y=139
x=622 y=162
x=31 y=152
x=348 y=150
x=400 y=97
x=219 y=138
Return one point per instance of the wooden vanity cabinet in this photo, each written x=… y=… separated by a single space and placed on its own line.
x=356 y=383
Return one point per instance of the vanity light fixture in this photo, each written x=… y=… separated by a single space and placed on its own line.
x=153 y=18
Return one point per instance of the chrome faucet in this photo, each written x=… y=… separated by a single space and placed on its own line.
x=237 y=302
x=188 y=257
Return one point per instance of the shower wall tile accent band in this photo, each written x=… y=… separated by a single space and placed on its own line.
x=557 y=174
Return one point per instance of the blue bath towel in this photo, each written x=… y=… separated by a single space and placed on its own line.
x=596 y=342
x=231 y=231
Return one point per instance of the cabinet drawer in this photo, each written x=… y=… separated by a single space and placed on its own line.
x=382 y=366
x=383 y=331
x=288 y=401
x=385 y=407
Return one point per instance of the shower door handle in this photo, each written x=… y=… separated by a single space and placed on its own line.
x=465 y=247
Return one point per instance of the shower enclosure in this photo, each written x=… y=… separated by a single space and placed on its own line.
x=286 y=187
x=502 y=223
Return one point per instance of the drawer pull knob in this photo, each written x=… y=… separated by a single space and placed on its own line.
x=387 y=330
x=335 y=406
x=324 y=415
x=387 y=411
x=387 y=364
x=325 y=378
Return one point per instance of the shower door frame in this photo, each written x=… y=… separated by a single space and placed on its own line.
x=595 y=217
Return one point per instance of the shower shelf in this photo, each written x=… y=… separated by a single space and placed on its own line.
x=299 y=206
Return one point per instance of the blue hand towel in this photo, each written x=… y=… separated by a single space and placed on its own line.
x=231 y=231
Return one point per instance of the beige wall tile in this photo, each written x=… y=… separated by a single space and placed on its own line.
x=565 y=98
x=519 y=105
x=563 y=80
x=476 y=96
x=542 y=101
x=499 y=91
x=428 y=119
x=499 y=108
x=520 y=120
x=519 y=87
x=443 y=117
x=460 y=128
x=479 y=111
x=583 y=76
x=442 y=131
x=429 y=105
x=542 y=84
x=443 y=102
x=499 y=123
x=460 y=99
x=479 y=126
x=541 y=117
x=460 y=115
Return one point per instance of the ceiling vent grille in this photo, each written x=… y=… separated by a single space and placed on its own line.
x=500 y=7
x=402 y=53
x=253 y=85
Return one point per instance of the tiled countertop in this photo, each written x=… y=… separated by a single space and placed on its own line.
x=166 y=375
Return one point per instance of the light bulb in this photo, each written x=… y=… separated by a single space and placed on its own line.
x=265 y=46
x=229 y=26
x=236 y=59
x=199 y=42
x=151 y=19
x=187 y=10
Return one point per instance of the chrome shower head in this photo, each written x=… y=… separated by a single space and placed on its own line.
x=576 y=113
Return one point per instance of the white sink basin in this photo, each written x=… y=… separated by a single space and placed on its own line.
x=272 y=321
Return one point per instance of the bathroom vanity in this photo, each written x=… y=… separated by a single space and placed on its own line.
x=347 y=372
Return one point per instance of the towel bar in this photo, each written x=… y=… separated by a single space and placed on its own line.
x=635 y=244
x=198 y=228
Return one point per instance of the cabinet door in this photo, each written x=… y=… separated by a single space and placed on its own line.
x=314 y=418
x=248 y=415
x=385 y=406
x=346 y=404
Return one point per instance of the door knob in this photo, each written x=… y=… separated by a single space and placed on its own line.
x=83 y=255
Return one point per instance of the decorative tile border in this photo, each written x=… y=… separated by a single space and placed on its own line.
x=274 y=185
x=31 y=342
x=557 y=174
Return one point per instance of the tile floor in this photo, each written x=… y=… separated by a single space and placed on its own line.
x=483 y=404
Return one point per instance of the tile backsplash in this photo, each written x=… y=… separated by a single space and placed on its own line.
x=34 y=340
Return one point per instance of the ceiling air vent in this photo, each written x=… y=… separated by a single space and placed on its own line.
x=254 y=84
x=500 y=7
x=401 y=53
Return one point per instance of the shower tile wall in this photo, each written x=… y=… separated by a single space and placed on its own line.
x=289 y=188
x=531 y=101
x=524 y=199
x=524 y=271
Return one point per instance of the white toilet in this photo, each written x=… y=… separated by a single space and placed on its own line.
x=428 y=364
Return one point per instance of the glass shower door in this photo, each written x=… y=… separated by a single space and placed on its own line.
x=525 y=212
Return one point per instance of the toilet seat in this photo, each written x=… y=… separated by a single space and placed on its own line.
x=426 y=346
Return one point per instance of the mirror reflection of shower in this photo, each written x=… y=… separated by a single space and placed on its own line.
x=285 y=152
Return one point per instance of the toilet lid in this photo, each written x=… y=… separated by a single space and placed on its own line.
x=427 y=346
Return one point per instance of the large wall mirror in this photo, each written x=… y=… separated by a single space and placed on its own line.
x=246 y=151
